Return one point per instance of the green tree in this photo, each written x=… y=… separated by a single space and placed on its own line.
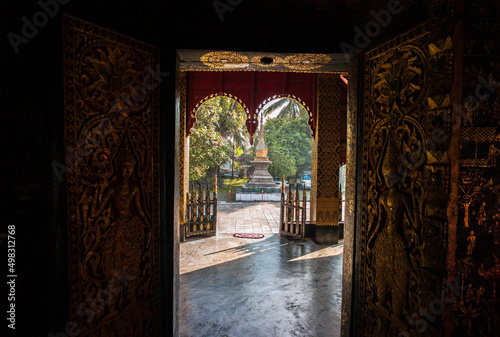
x=218 y=134
x=283 y=162
x=288 y=137
x=284 y=107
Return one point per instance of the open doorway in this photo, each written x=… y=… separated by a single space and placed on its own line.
x=253 y=287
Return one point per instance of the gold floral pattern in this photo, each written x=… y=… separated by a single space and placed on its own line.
x=110 y=76
x=306 y=61
x=399 y=83
x=225 y=59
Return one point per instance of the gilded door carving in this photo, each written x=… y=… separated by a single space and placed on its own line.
x=405 y=182
x=111 y=135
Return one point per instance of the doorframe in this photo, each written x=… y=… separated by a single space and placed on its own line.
x=352 y=220
x=351 y=255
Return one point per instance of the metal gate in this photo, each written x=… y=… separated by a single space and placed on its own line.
x=201 y=212
x=292 y=212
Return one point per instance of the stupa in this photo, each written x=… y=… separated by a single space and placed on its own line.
x=261 y=178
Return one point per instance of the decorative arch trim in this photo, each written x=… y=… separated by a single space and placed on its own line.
x=251 y=87
x=310 y=120
x=192 y=113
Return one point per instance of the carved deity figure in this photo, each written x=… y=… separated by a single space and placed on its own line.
x=392 y=265
x=129 y=235
x=482 y=214
x=472 y=243
x=496 y=228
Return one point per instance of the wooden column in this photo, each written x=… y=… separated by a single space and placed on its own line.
x=183 y=150
x=325 y=209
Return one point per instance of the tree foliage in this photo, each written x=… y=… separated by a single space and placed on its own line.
x=289 y=143
x=283 y=161
x=284 y=108
x=219 y=133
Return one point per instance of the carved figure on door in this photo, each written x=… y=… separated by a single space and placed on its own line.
x=123 y=248
x=392 y=266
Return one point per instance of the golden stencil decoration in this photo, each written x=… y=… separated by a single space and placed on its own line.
x=224 y=59
x=477 y=264
x=477 y=136
x=306 y=61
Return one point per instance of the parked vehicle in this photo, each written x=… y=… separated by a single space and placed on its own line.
x=226 y=175
x=306 y=183
x=278 y=182
x=305 y=180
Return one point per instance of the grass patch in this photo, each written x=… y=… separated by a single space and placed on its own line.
x=233 y=183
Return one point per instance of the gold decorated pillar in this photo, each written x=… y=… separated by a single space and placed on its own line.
x=325 y=159
x=183 y=150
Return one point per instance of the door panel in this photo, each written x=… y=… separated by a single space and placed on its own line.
x=404 y=183
x=112 y=178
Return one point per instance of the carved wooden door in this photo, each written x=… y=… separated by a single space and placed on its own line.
x=112 y=180
x=404 y=183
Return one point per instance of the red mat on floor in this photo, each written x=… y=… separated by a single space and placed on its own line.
x=248 y=236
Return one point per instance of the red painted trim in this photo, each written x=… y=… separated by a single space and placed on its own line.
x=252 y=88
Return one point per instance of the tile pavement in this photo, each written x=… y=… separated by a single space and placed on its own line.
x=248 y=217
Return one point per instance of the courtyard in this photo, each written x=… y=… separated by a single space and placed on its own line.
x=258 y=287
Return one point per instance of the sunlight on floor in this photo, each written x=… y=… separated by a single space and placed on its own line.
x=210 y=252
x=322 y=253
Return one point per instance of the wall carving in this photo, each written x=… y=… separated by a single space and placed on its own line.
x=111 y=135
x=477 y=264
x=405 y=182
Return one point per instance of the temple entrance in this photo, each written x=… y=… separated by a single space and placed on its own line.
x=398 y=175
x=230 y=269
x=254 y=89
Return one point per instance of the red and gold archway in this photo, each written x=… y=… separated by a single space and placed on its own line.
x=250 y=89
x=310 y=120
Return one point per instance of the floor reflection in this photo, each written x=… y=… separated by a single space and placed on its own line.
x=264 y=287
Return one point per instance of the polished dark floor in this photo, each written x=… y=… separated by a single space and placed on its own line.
x=267 y=287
